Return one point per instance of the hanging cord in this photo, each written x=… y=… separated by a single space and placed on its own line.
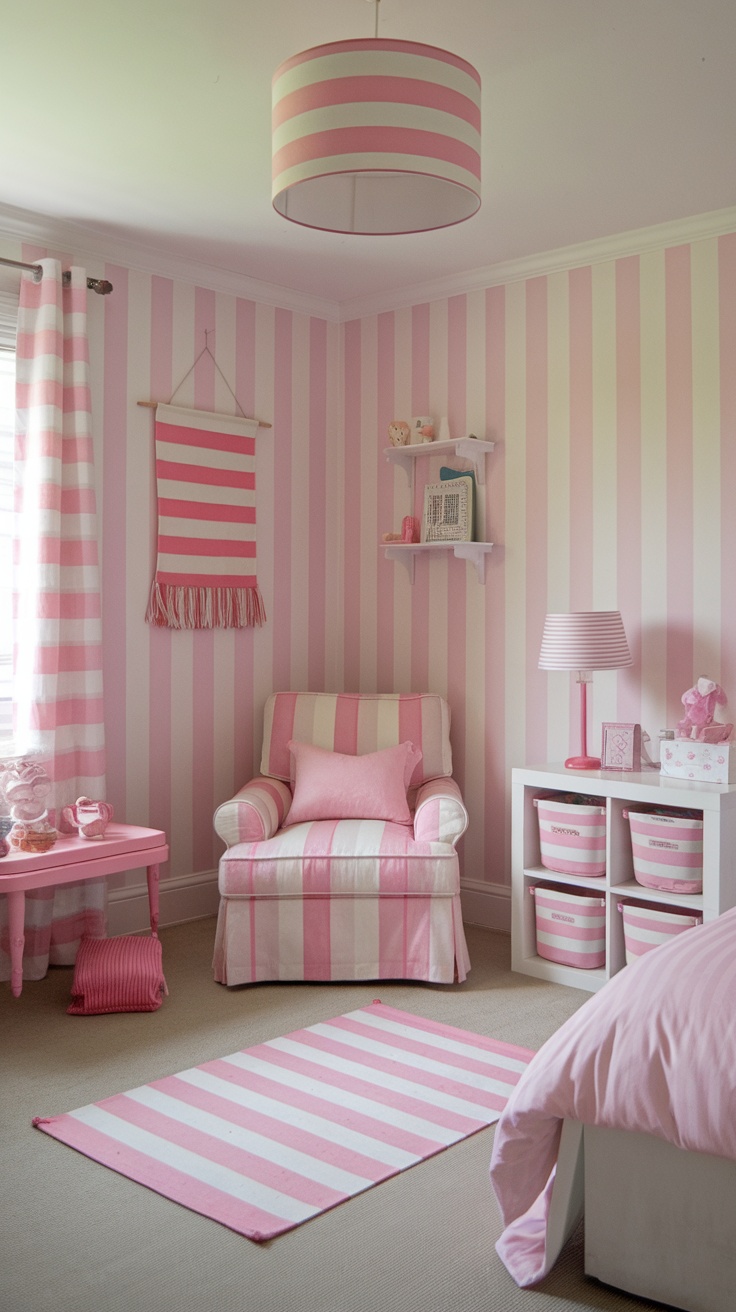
x=375 y=28
x=206 y=351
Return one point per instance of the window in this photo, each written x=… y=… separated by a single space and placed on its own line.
x=8 y=315
x=7 y=412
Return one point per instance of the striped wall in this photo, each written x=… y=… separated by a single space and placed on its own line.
x=610 y=391
x=186 y=732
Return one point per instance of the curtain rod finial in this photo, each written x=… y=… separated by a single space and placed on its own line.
x=99 y=285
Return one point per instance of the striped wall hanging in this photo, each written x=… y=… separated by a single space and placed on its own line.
x=206 y=485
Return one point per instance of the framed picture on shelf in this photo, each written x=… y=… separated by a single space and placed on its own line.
x=447 y=512
x=621 y=748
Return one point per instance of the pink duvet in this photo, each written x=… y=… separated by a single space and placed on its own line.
x=654 y=1050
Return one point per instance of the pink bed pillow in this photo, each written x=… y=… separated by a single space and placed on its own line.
x=332 y=786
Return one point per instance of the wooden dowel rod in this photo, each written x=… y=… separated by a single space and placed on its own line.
x=151 y=405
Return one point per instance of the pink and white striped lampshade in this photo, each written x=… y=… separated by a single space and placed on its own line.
x=376 y=136
x=584 y=640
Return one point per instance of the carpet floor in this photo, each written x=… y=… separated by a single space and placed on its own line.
x=79 y=1238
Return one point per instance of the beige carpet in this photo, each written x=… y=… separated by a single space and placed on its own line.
x=77 y=1237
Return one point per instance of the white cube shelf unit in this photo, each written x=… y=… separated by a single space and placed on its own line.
x=616 y=790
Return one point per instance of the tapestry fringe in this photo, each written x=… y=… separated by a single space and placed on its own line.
x=179 y=607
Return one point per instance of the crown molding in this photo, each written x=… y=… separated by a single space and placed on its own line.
x=636 y=242
x=91 y=245
x=97 y=249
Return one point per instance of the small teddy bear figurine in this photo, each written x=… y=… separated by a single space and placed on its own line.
x=700 y=703
x=398 y=432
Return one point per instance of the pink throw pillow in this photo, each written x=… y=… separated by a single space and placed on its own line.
x=331 y=786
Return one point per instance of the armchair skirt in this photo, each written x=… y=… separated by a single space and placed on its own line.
x=341 y=900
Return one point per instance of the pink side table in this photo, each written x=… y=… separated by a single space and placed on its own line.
x=124 y=847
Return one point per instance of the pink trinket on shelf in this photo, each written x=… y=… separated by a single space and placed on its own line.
x=698 y=722
x=89 y=817
x=32 y=835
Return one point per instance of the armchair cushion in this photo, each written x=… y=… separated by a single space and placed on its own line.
x=255 y=813
x=340 y=858
x=355 y=723
x=334 y=786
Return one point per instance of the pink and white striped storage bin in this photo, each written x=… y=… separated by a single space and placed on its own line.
x=667 y=848
x=571 y=927
x=646 y=927
x=572 y=834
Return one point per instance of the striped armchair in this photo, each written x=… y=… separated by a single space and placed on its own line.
x=343 y=899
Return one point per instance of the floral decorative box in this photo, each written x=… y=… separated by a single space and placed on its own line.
x=713 y=763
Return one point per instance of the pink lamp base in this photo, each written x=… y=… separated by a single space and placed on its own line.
x=583 y=761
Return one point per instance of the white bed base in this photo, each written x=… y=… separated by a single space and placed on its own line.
x=659 y=1222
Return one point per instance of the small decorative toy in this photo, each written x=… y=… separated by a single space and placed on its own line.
x=398 y=432
x=25 y=785
x=89 y=817
x=700 y=703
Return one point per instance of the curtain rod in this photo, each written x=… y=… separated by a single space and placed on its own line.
x=99 y=285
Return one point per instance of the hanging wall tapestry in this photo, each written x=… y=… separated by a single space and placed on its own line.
x=206 y=562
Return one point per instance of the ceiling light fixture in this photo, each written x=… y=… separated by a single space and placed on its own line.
x=376 y=137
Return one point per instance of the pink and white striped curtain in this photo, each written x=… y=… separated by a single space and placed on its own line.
x=58 y=713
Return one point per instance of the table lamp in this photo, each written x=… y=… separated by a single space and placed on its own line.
x=584 y=641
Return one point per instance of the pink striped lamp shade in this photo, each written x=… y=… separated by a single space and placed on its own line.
x=584 y=640
x=376 y=136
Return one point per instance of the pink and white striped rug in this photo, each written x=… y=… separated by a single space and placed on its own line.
x=266 y=1138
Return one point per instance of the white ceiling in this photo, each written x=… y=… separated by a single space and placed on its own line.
x=148 y=121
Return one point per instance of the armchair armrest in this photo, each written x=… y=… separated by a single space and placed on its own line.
x=254 y=813
x=440 y=815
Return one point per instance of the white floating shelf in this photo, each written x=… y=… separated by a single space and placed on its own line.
x=468 y=448
x=407 y=552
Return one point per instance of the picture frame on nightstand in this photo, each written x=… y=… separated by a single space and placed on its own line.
x=621 y=746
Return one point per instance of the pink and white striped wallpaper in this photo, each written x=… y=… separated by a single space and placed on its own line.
x=610 y=391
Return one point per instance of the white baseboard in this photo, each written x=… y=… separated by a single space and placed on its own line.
x=192 y=897
x=486 y=904
x=186 y=897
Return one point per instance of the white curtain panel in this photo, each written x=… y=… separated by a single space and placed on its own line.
x=57 y=684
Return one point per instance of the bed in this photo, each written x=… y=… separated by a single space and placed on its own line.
x=629 y=1112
